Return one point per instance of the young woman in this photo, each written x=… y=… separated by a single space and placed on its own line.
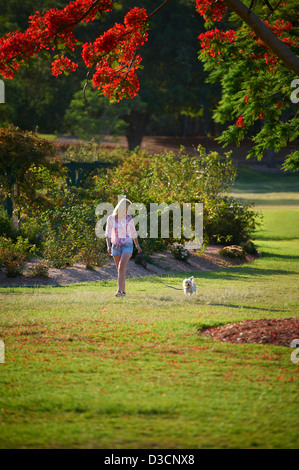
x=120 y=235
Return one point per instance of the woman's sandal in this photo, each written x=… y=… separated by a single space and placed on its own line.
x=120 y=294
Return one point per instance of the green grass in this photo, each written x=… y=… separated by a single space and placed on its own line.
x=266 y=188
x=84 y=369
x=48 y=136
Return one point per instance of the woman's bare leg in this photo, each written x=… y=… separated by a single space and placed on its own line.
x=117 y=260
x=122 y=271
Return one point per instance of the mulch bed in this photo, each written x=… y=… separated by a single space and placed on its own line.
x=278 y=331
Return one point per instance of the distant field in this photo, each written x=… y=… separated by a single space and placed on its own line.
x=266 y=187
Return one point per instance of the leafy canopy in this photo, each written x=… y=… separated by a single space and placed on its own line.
x=255 y=61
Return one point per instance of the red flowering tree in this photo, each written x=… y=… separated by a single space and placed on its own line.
x=114 y=57
x=256 y=84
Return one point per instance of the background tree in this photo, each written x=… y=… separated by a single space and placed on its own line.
x=94 y=115
x=114 y=57
x=35 y=98
x=172 y=91
x=171 y=79
x=25 y=162
x=256 y=85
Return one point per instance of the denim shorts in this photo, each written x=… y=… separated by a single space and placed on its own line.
x=119 y=250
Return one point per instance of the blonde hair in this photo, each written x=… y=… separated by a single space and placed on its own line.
x=120 y=206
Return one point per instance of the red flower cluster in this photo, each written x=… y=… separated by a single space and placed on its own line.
x=114 y=54
x=211 y=9
x=63 y=64
x=279 y=28
x=210 y=39
x=259 y=114
x=47 y=30
x=213 y=38
x=240 y=122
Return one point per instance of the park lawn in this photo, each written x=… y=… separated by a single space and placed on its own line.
x=84 y=369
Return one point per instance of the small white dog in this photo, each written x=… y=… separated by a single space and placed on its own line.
x=189 y=286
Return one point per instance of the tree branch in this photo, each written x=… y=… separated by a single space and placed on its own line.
x=159 y=8
x=70 y=25
x=269 y=6
x=265 y=34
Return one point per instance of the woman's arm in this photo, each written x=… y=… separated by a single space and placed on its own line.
x=137 y=245
x=108 y=245
x=109 y=233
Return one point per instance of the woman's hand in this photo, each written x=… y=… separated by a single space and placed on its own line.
x=109 y=250
x=139 y=249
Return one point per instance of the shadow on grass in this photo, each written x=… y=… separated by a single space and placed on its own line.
x=277 y=238
x=272 y=202
x=231 y=274
x=258 y=180
x=269 y=255
x=249 y=307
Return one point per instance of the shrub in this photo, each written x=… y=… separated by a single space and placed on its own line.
x=249 y=247
x=227 y=221
x=142 y=259
x=13 y=261
x=233 y=251
x=92 y=151
x=20 y=245
x=39 y=269
x=6 y=244
x=180 y=252
x=91 y=256
x=31 y=229
x=169 y=178
x=57 y=251
x=6 y=228
x=68 y=228
x=151 y=245
x=13 y=254
x=15 y=268
x=25 y=161
x=23 y=246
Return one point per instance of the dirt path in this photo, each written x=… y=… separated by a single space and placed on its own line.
x=164 y=264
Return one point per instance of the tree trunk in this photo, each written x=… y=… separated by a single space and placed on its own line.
x=265 y=34
x=270 y=154
x=15 y=212
x=137 y=123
